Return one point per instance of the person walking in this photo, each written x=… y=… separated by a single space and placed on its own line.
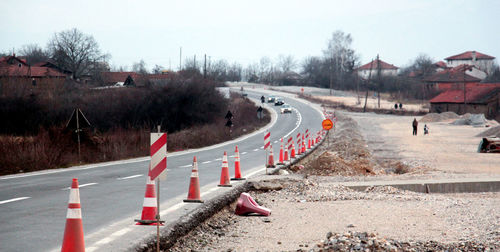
x=415 y=126
x=426 y=129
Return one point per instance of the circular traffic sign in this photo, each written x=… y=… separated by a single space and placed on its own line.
x=327 y=124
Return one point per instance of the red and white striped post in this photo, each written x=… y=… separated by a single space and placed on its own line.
x=299 y=148
x=291 y=148
x=267 y=144
x=158 y=166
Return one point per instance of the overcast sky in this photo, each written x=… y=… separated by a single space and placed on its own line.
x=245 y=31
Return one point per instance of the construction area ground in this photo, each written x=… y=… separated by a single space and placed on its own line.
x=317 y=204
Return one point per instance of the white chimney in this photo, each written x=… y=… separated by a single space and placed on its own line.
x=473 y=56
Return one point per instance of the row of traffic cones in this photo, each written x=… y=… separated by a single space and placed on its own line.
x=302 y=147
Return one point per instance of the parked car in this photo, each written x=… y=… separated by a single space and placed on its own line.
x=278 y=101
x=286 y=109
x=270 y=98
x=489 y=145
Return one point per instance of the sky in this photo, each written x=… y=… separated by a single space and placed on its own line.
x=246 y=31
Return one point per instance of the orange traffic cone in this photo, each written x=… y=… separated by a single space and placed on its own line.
x=73 y=232
x=286 y=155
x=270 y=163
x=237 y=168
x=194 y=185
x=292 y=155
x=224 y=175
x=281 y=158
x=149 y=208
x=303 y=144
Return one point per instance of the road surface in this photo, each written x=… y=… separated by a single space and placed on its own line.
x=33 y=205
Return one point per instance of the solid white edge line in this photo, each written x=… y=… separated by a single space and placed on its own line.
x=13 y=200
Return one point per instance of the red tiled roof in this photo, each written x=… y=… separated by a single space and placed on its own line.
x=26 y=71
x=374 y=65
x=10 y=60
x=468 y=55
x=474 y=94
x=441 y=64
x=118 y=76
x=455 y=74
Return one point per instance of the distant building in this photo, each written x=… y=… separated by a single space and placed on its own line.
x=15 y=73
x=371 y=70
x=133 y=78
x=480 y=60
x=440 y=66
x=480 y=99
x=450 y=78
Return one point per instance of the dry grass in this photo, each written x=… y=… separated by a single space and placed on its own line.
x=56 y=147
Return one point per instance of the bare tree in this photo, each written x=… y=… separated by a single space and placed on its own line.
x=75 y=51
x=157 y=69
x=33 y=53
x=286 y=63
x=341 y=57
x=140 y=67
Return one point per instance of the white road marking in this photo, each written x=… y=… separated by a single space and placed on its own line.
x=243 y=153
x=129 y=177
x=256 y=150
x=185 y=166
x=14 y=199
x=109 y=239
x=80 y=186
x=218 y=159
x=207 y=162
x=276 y=141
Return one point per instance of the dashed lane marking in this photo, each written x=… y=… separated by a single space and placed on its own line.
x=12 y=200
x=130 y=177
x=207 y=162
x=80 y=186
x=243 y=153
x=256 y=150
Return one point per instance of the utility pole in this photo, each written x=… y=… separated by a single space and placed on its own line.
x=205 y=67
x=379 y=84
x=465 y=92
x=367 y=85
x=180 y=59
x=194 y=61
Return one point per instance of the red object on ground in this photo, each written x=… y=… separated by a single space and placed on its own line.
x=237 y=168
x=224 y=175
x=73 y=232
x=194 y=185
x=246 y=205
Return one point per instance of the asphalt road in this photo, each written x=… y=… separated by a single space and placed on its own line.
x=33 y=205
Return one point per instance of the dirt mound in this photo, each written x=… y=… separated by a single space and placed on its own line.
x=493 y=132
x=439 y=117
x=330 y=163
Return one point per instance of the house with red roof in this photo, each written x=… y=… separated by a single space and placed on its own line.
x=480 y=60
x=15 y=71
x=455 y=77
x=371 y=69
x=133 y=78
x=480 y=98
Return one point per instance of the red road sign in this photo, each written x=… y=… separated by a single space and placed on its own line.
x=327 y=124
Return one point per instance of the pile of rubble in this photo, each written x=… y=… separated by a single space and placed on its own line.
x=363 y=241
x=439 y=117
x=492 y=132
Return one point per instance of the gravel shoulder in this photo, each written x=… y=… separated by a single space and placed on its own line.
x=312 y=212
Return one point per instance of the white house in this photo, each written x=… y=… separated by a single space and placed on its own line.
x=371 y=69
x=480 y=60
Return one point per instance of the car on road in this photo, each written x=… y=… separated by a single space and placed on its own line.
x=279 y=101
x=271 y=98
x=286 y=109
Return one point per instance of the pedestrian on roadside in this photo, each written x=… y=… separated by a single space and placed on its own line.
x=395 y=106
x=415 y=126
x=400 y=105
x=426 y=129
